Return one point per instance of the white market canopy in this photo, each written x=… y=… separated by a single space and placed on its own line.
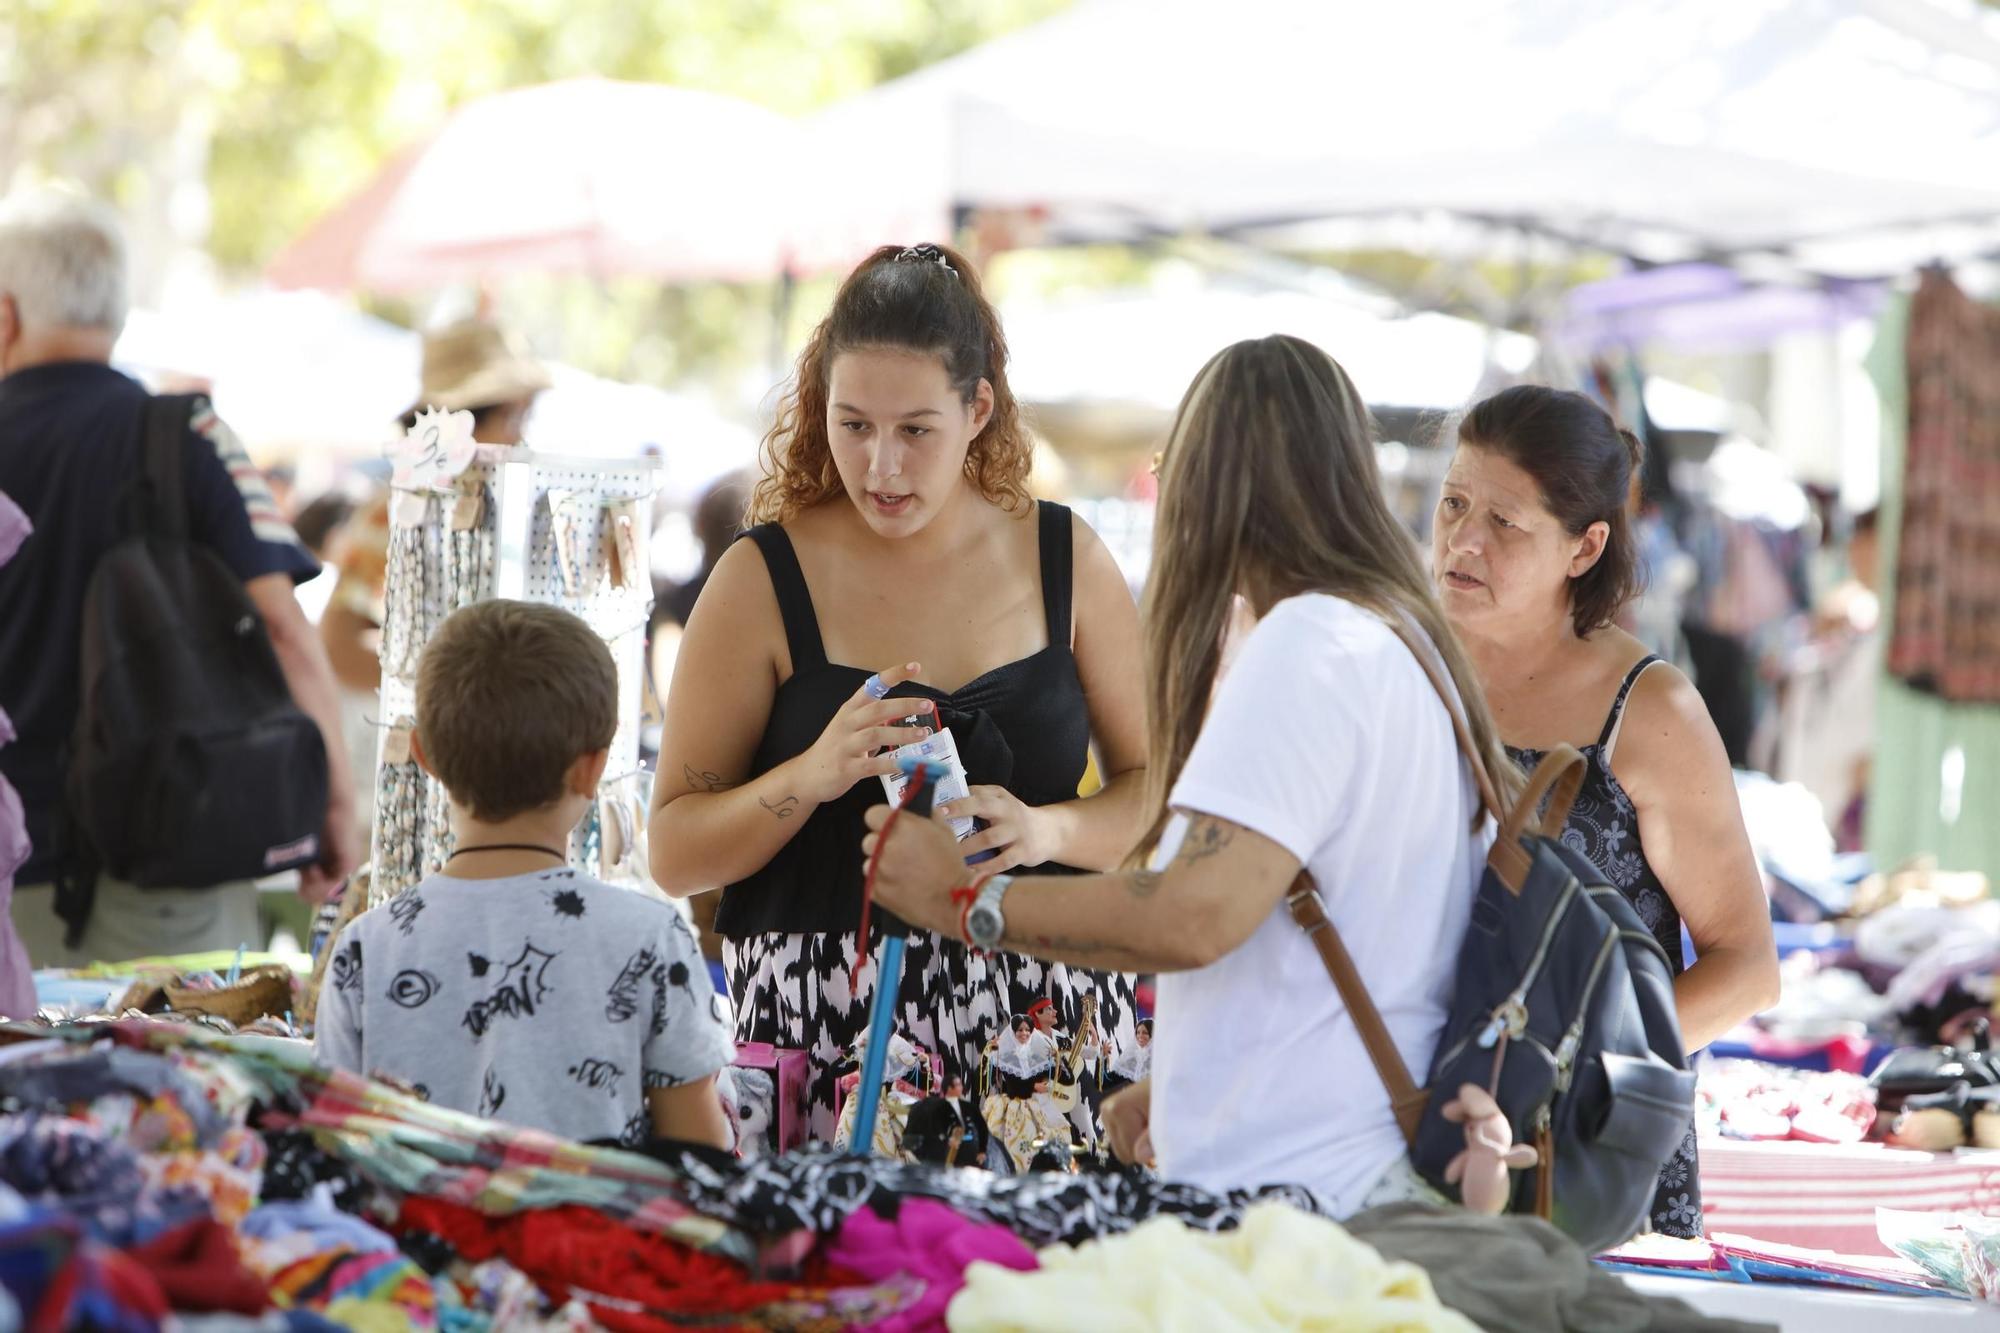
x=1863 y=135
x=1143 y=347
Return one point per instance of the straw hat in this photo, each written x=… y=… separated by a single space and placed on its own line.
x=473 y=363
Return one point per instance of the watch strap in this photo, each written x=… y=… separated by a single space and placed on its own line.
x=990 y=893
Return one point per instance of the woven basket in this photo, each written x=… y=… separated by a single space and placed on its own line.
x=258 y=992
x=147 y=994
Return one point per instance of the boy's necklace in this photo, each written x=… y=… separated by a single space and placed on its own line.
x=508 y=847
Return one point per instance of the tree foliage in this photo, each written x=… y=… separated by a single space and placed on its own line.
x=229 y=126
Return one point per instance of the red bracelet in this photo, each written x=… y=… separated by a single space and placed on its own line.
x=965 y=895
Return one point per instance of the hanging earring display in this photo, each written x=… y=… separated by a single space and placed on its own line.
x=405 y=626
x=466 y=525
x=469 y=543
x=573 y=519
x=438 y=840
x=399 y=824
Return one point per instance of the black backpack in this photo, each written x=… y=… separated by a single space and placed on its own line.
x=190 y=765
x=1564 y=1011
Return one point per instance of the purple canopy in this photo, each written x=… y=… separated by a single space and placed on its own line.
x=1706 y=307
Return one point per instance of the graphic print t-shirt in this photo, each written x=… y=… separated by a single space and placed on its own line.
x=548 y=1000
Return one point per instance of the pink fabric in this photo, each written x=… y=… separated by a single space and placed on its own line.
x=1752 y=1101
x=928 y=1241
x=17 y=979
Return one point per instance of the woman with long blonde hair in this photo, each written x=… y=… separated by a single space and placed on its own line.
x=895 y=537
x=1322 y=745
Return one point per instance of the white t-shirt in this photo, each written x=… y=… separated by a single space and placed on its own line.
x=1327 y=738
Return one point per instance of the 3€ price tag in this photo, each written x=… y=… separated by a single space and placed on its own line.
x=433 y=451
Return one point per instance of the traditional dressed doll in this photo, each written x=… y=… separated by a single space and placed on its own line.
x=1017 y=1108
x=899 y=1094
x=1135 y=1062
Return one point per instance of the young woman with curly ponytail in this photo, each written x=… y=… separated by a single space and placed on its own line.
x=894 y=536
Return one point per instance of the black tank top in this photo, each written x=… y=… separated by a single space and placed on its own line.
x=1023 y=726
x=1604 y=827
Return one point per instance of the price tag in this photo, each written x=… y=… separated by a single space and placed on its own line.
x=613 y=561
x=408 y=509
x=627 y=539
x=466 y=510
x=430 y=455
x=396 y=745
x=562 y=535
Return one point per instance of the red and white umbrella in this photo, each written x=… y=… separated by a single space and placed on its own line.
x=586 y=175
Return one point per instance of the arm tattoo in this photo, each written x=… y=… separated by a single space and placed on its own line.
x=708 y=782
x=1205 y=837
x=1143 y=883
x=784 y=809
x=1100 y=953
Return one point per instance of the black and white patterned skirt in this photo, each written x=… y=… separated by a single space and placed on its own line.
x=799 y=992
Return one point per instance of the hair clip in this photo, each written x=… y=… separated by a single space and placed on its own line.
x=925 y=253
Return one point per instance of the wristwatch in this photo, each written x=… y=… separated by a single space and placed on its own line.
x=984 y=924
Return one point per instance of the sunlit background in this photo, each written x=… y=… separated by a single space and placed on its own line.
x=1709 y=213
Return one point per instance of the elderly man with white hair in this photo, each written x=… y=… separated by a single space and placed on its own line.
x=72 y=440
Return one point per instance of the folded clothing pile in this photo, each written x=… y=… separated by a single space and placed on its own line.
x=1743 y=1099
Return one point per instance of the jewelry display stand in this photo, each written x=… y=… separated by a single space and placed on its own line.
x=567 y=532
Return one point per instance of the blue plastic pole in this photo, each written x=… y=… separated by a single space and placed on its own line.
x=924 y=774
x=881 y=1024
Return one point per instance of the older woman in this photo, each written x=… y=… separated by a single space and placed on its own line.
x=1533 y=555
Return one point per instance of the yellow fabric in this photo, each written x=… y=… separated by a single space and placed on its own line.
x=370 y=1316
x=1281 y=1270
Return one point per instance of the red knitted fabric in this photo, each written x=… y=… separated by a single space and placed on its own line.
x=199 y=1268
x=574 y=1247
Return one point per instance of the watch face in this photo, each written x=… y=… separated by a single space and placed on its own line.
x=984 y=925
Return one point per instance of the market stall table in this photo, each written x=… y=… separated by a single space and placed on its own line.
x=1807 y=1310
x=1824 y=1196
